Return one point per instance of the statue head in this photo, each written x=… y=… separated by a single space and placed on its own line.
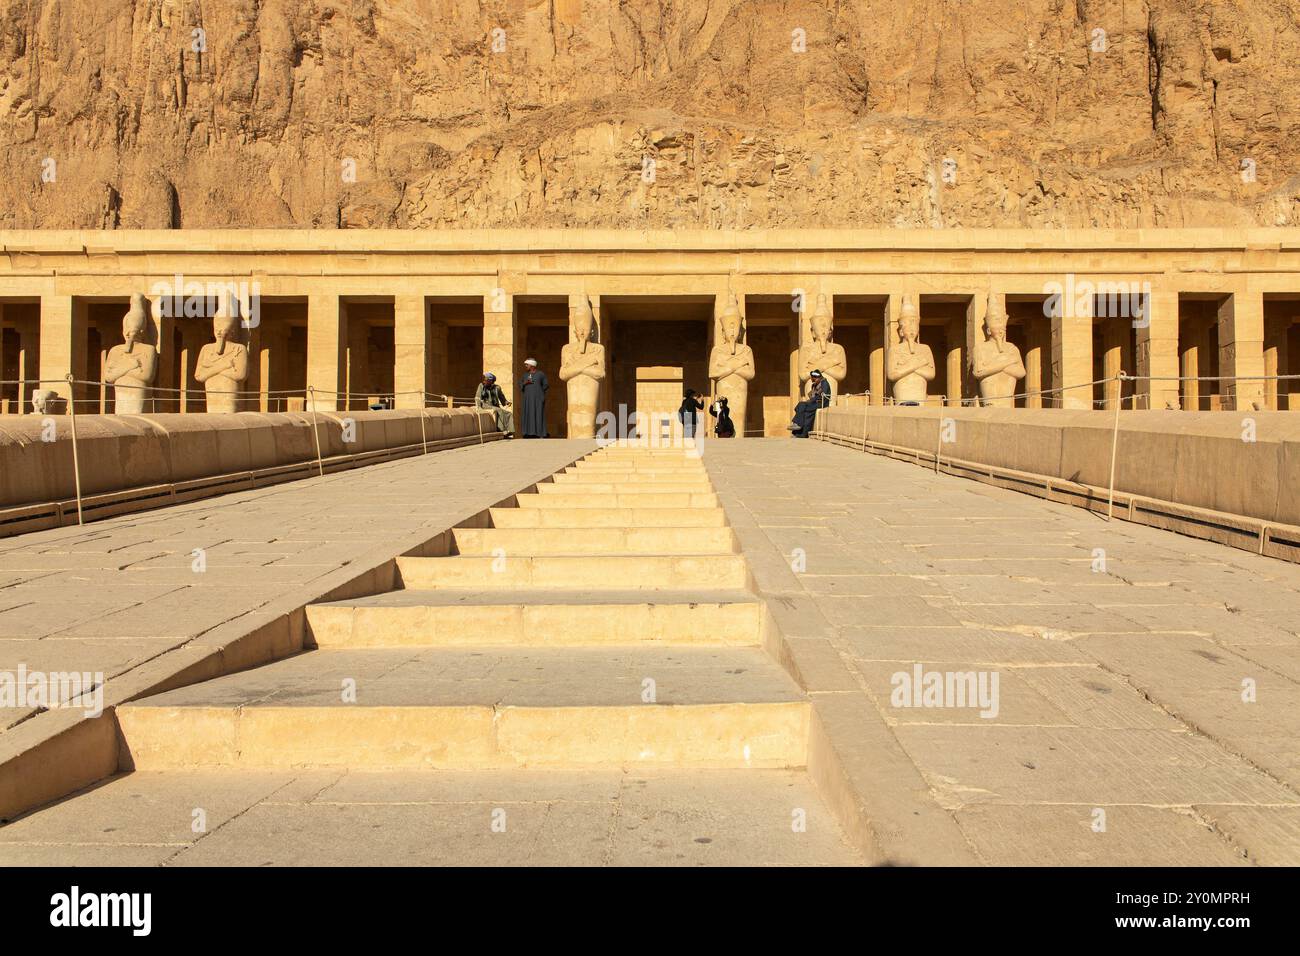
x=909 y=321
x=730 y=321
x=821 y=321
x=584 y=321
x=225 y=328
x=995 y=319
x=135 y=324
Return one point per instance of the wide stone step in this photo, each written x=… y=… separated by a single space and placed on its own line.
x=563 y=498
x=640 y=572
x=616 y=488
x=623 y=477
x=614 y=518
x=656 y=464
x=593 y=817
x=450 y=618
x=484 y=708
x=593 y=541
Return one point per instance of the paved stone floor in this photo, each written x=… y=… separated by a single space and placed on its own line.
x=1123 y=732
x=112 y=595
x=1147 y=705
x=420 y=818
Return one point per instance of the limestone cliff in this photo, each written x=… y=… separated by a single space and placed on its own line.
x=656 y=113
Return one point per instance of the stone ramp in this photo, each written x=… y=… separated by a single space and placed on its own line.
x=431 y=818
x=615 y=650
x=1122 y=734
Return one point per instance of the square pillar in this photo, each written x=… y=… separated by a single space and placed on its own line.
x=1072 y=351
x=1277 y=360
x=955 y=336
x=500 y=332
x=326 y=340
x=356 y=364
x=411 y=350
x=876 y=333
x=1157 y=349
x=1241 y=350
x=971 y=331
x=436 y=368
x=63 y=344
x=1114 y=331
x=1038 y=358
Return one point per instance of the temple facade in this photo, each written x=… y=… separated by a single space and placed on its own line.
x=623 y=321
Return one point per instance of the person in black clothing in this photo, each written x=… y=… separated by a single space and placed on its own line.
x=723 y=427
x=686 y=414
x=805 y=413
x=533 y=387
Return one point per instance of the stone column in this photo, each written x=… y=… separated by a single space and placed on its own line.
x=1037 y=361
x=734 y=387
x=1072 y=351
x=436 y=371
x=1277 y=360
x=583 y=391
x=1157 y=348
x=63 y=344
x=972 y=332
x=192 y=394
x=410 y=350
x=955 y=336
x=1208 y=356
x=1241 y=349
x=1189 y=366
x=327 y=323
x=1113 y=334
x=356 y=364
x=892 y=309
x=499 y=334
x=877 y=331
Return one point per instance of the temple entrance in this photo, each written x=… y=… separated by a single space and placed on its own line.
x=278 y=345
x=543 y=332
x=370 y=352
x=944 y=323
x=454 y=360
x=1029 y=328
x=656 y=348
x=20 y=326
x=1198 y=350
x=1114 y=349
x=772 y=331
x=1282 y=350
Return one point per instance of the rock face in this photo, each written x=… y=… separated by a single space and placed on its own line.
x=649 y=113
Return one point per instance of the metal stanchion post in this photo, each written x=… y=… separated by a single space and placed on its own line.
x=76 y=458
x=315 y=431
x=1114 y=447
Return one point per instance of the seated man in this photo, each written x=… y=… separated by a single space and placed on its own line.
x=490 y=395
x=805 y=413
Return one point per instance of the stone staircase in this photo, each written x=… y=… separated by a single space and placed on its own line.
x=604 y=624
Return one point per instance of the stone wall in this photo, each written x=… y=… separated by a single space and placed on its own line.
x=121 y=453
x=1225 y=466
